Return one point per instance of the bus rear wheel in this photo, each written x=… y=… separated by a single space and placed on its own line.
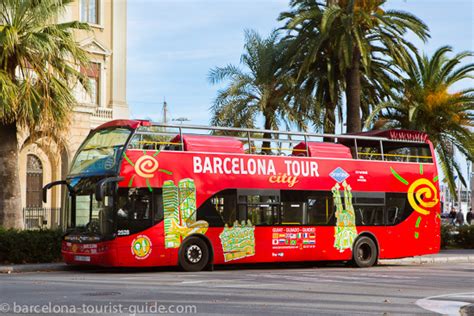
x=193 y=254
x=364 y=253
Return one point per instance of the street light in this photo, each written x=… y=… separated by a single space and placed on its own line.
x=181 y=120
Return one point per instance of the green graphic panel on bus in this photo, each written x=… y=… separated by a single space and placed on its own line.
x=171 y=213
x=179 y=203
x=345 y=230
x=238 y=241
x=187 y=200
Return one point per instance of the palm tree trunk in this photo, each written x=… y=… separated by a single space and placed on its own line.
x=268 y=125
x=329 y=120
x=11 y=215
x=353 y=90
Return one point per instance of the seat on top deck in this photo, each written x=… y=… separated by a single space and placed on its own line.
x=322 y=150
x=205 y=143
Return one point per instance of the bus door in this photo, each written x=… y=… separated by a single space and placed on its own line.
x=139 y=214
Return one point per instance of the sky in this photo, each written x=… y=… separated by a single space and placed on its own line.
x=172 y=45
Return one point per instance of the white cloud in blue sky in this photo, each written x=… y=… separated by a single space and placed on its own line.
x=172 y=45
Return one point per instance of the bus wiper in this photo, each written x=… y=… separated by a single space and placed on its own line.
x=100 y=147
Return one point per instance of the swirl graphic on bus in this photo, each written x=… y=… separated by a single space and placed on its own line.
x=145 y=166
x=422 y=195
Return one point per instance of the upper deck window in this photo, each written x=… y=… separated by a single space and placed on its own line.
x=100 y=152
x=394 y=151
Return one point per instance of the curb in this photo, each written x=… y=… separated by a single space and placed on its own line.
x=33 y=267
x=425 y=260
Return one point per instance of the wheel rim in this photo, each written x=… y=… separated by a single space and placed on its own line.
x=364 y=252
x=194 y=254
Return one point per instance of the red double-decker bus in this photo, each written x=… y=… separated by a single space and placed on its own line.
x=144 y=194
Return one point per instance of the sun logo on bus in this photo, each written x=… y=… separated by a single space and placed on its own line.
x=146 y=167
x=422 y=195
x=141 y=247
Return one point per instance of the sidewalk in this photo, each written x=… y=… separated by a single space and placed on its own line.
x=33 y=267
x=445 y=256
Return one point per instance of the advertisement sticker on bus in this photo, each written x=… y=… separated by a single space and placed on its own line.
x=141 y=247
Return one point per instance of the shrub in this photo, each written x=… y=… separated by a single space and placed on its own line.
x=457 y=237
x=30 y=246
x=465 y=238
x=447 y=232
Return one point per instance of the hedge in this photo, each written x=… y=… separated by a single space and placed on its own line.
x=39 y=246
x=30 y=246
x=457 y=237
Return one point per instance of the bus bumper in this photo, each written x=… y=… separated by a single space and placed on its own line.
x=97 y=254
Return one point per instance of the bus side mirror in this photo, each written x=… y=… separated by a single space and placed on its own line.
x=101 y=185
x=52 y=184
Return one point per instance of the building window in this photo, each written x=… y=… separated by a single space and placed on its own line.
x=90 y=11
x=93 y=75
x=34 y=181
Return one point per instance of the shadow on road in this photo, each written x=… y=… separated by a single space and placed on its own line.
x=228 y=267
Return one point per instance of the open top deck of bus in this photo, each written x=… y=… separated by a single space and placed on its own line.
x=384 y=145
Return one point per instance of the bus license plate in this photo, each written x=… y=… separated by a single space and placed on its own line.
x=82 y=258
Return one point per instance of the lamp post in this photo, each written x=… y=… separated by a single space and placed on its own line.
x=181 y=120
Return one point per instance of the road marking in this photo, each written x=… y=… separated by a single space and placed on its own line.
x=192 y=282
x=440 y=304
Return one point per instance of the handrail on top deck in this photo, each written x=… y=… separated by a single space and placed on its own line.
x=304 y=134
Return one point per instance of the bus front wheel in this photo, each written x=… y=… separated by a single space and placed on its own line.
x=193 y=254
x=364 y=253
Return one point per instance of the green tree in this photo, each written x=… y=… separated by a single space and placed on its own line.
x=263 y=90
x=39 y=64
x=429 y=102
x=346 y=44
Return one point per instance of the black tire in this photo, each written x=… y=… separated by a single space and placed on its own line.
x=193 y=254
x=364 y=253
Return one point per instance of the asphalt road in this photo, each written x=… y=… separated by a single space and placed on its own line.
x=276 y=290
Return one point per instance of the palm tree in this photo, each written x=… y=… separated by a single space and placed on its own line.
x=428 y=102
x=263 y=90
x=359 y=35
x=39 y=62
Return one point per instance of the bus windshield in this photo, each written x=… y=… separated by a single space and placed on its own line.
x=86 y=214
x=100 y=152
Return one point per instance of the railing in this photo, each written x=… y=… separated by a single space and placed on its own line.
x=40 y=217
x=271 y=142
x=103 y=113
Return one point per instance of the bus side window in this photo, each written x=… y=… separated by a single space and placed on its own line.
x=225 y=203
x=321 y=209
x=293 y=207
x=158 y=206
x=397 y=208
x=369 y=208
x=261 y=207
x=369 y=215
x=293 y=213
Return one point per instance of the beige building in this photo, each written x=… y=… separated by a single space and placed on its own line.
x=45 y=160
